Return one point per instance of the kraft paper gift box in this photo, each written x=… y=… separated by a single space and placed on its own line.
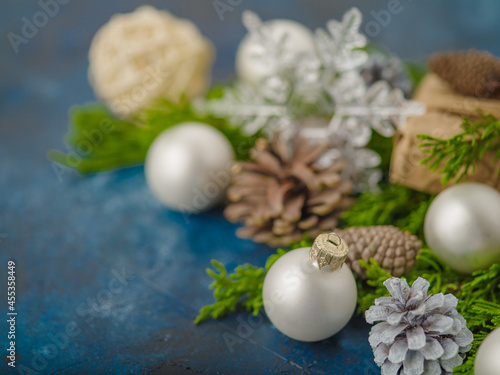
x=445 y=112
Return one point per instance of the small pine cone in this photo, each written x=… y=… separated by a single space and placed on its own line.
x=392 y=248
x=418 y=333
x=389 y=68
x=471 y=73
x=282 y=195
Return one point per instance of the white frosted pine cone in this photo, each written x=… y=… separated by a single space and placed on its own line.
x=418 y=334
x=147 y=54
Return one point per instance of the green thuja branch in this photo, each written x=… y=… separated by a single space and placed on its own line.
x=457 y=156
x=416 y=72
x=442 y=278
x=98 y=141
x=382 y=146
x=480 y=305
x=485 y=284
x=243 y=286
x=394 y=205
x=372 y=287
x=482 y=317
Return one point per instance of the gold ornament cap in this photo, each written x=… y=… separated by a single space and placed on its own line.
x=329 y=250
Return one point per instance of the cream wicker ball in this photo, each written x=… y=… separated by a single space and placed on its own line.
x=147 y=54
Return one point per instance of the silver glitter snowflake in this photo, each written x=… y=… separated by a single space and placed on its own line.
x=326 y=83
x=418 y=334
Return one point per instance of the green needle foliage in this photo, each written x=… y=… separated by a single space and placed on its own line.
x=416 y=72
x=98 y=141
x=382 y=146
x=373 y=286
x=394 y=205
x=243 y=286
x=457 y=156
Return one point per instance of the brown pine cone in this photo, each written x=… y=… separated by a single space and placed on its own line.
x=282 y=195
x=472 y=73
x=392 y=248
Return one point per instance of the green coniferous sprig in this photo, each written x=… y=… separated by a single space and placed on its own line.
x=243 y=286
x=118 y=143
x=457 y=156
x=394 y=205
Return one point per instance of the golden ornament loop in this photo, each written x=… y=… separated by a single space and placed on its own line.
x=329 y=250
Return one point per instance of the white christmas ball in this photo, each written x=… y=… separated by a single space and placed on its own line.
x=462 y=226
x=147 y=54
x=252 y=70
x=306 y=303
x=488 y=355
x=188 y=166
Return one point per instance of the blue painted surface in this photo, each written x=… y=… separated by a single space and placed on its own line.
x=103 y=270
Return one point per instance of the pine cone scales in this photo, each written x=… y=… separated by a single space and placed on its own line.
x=388 y=68
x=392 y=248
x=472 y=73
x=279 y=196
x=419 y=333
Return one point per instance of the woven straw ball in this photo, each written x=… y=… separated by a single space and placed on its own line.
x=147 y=54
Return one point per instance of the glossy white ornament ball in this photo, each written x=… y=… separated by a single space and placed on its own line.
x=187 y=166
x=306 y=303
x=252 y=70
x=488 y=355
x=462 y=226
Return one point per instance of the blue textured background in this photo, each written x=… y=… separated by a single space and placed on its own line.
x=71 y=237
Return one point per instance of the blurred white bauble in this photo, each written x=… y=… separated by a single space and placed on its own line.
x=251 y=69
x=487 y=360
x=188 y=166
x=147 y=54
x=462 y=226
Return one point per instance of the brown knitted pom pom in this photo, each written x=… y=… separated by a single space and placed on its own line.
x=282 y=195
x=471 y=73
x=392 y=248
